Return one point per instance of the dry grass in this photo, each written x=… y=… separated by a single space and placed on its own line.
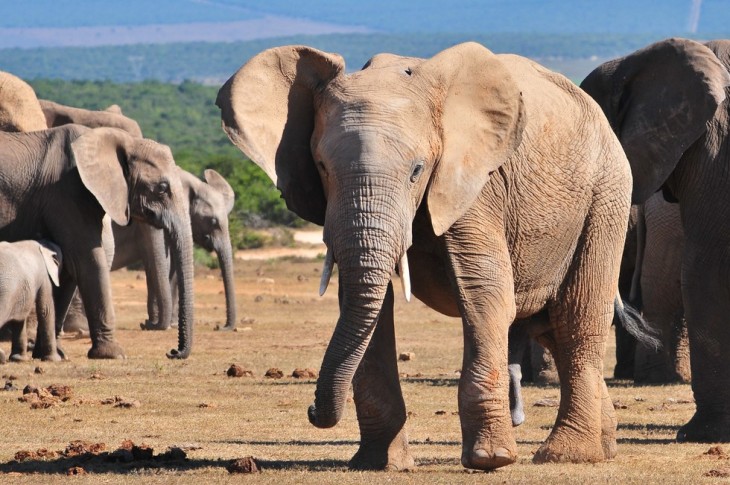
x=193 y=404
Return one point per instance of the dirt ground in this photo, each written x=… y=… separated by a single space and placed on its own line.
x=147 y=419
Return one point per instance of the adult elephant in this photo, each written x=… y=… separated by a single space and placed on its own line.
x=659 y=292
x=59 y=183
x=210 y=203
x=19 y=107
x=501 y=183
x=668 y=104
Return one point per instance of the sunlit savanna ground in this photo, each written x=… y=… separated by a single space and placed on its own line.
x=288 y=327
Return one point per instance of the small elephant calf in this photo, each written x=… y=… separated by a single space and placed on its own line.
x=27 y=271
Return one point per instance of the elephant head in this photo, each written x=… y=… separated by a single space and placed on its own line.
x=210 y=203
x=659 y=100
x=362 y=153
x=136 y=178
x=19 y=108
x=58 y=114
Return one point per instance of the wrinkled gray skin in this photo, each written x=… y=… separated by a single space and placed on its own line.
x=659 y=292
x=210 y=203
x=28 y=272
x=669 y=105
x=508 y=191
x=59 y=183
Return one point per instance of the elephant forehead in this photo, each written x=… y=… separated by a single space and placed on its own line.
x=157 y=154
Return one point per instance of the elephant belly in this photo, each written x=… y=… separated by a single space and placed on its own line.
x=430 y=281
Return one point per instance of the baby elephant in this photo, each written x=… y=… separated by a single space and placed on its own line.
x=27 y=269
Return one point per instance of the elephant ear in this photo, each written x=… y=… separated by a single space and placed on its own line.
x=114 y=108
x=101 y=158
x=267 y=110
x=481 y=124
x=220 y=184
x=659 y=100
x=52 y=259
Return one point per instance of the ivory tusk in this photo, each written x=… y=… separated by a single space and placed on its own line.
x=405 y=276
x=326 y=272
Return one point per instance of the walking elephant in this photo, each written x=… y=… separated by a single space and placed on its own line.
x=668 y=104
x=29 y=271
x=59 y=183
x=497 y=182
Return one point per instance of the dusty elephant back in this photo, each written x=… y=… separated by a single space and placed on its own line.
x=19 y=106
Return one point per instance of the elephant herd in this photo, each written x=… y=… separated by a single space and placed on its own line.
x=499 y=191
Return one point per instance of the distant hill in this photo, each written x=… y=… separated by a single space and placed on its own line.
x=212 y=63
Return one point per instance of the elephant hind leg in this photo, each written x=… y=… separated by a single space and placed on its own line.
x=19 y=345
x=580 y=317
x=381 y=412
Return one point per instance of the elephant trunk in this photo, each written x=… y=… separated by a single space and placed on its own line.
x=359 y=309
x=366 y=247
x=181 y=252
x=225 y=261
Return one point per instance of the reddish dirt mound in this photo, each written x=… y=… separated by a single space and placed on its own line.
x=719 y=472
x=47 y=397
x=274 y=373
x=307 y=373
x=237 y=371
x=406 y=356
x=716 y=452
x=243 y=465
x=75 y=470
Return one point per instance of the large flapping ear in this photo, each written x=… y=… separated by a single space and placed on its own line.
x=267 y=110
x=101 y=158
x=220 y=184
x=659 y=100
x=481 y=124
x=52 y=259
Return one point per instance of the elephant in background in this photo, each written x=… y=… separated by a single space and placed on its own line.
x=30 y=269
x=210 y=203
x=668 y=103
x=19 y=106
x=58 y=115
x=501 y=187
x=659 y=292
x=59 y=183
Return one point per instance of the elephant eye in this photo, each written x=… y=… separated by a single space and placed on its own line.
x=322 y=168
x=163 y=187
x=214 y=222
x=416 y=171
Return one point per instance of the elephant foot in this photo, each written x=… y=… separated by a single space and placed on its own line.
x=705 y=428
x=19 y=357
x=561 y=448
x=393 y=456
x=483 y=458
x=149 y=325
x=106 y=350
x=226 y=327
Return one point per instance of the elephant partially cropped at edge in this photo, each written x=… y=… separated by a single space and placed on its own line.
x=668 y=104
x=59 y=183
x=497 y=182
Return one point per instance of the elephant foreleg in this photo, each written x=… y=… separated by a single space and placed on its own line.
x=19 y=344
x=45 y=342
x=381 y=412
x=482 y=274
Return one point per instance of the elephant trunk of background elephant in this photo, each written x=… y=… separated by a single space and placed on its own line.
x=181 y=252
x=225 y=261
x=366 y=245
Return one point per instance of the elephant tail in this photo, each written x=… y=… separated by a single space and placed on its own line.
x=634 y=323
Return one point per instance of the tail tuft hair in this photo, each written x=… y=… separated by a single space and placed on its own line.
x=636 y=325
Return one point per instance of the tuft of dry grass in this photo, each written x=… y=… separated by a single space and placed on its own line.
x=213 y=419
